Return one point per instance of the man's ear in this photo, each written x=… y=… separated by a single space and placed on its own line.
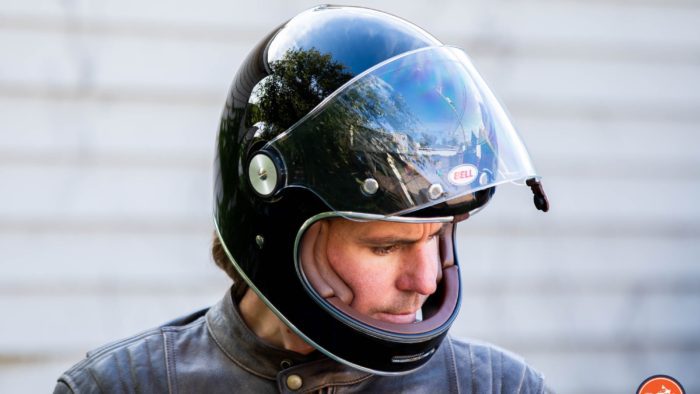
x=314 y=263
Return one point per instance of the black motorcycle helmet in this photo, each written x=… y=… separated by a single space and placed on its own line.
x=351 y=112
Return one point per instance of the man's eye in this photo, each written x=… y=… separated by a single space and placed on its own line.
x=384 y=250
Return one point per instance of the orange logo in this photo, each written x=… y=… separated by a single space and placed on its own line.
x=660 y=384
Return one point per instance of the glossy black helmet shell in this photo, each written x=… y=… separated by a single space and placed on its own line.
x=297 y=66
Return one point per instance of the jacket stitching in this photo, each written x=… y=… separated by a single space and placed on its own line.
x=166 y=350
x=454 y=376
x=494 y=371
x=522 y=380
x=149 y=357
x=489 y=365
x=105 y=351
x=502 y=368
x=107 y=348
x=198 y=322
x=133 y=371
x=100 y=353
x=120 y=371
x=97 y=382
x=471 y=367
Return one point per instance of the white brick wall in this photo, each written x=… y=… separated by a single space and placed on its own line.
x=108 y=111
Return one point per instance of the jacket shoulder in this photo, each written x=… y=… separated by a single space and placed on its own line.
x=138 y=363
x=486 y=368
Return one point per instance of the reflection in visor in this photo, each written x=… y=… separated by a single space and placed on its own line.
x=423 y=125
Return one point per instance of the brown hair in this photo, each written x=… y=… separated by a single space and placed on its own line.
x=222 y=261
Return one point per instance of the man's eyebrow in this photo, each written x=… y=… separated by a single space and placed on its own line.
x=397 y=240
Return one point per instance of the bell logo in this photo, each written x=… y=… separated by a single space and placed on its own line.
x=462 y=175
x=660 y=384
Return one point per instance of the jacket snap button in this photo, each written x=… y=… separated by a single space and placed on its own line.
x=294 y=382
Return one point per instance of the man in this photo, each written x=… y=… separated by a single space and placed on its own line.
x=351 y=145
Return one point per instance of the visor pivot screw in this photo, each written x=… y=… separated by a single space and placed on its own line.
x=263 y=175
x=370 y=186
x=435 y=191
x=260 y=241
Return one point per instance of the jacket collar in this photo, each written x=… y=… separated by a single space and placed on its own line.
x=243 y=347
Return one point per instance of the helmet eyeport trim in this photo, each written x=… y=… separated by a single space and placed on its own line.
x=439 y=310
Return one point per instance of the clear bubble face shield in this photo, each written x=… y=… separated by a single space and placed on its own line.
x=414 y=131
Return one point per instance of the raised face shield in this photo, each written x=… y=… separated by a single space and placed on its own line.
x=414 y=131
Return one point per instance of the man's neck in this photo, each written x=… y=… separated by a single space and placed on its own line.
x=268 y=327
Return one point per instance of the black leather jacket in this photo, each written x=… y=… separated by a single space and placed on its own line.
x=213 y=351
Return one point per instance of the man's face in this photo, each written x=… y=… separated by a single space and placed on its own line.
x=384 y=270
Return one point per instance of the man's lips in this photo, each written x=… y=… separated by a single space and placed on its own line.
x=399 y=318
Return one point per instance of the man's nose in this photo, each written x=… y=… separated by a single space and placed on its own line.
x=420 y=269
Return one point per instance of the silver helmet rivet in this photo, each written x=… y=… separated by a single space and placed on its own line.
x=370 y=186
x=435 y=191
x=260 y=241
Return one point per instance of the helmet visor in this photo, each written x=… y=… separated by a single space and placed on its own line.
x=416 y=130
